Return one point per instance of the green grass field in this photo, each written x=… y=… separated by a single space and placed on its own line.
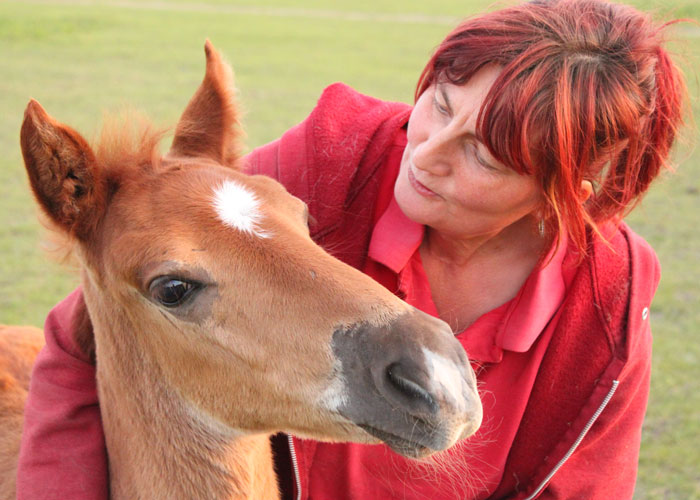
x=80 y=58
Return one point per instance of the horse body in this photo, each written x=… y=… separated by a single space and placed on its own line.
x=18 y=349
x=218 y=321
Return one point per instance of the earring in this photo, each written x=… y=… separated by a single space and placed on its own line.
x=540 y=228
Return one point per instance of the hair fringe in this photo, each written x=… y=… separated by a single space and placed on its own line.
x=534 y=120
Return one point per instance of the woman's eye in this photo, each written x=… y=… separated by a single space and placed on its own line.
x=171 y=292
x=480 y=159
x=441 y=109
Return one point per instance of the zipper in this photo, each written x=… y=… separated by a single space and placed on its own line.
x=577 y=442
x=589 y=424
x=295 y=465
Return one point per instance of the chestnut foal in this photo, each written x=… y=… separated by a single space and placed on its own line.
x=218 y=321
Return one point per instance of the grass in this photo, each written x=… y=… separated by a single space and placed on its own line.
x=79 y=58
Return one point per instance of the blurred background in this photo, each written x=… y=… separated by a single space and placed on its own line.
x=81 y=58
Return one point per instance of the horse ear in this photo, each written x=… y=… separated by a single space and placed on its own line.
x=207 y=128
x=62 y=172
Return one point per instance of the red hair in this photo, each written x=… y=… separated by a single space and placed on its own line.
x=587 y=92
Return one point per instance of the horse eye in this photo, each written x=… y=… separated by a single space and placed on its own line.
x=171 y=292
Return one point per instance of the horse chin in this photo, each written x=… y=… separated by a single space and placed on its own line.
x=398 y=444
x=369 y=435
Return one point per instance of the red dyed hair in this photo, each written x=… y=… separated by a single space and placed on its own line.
x=587 y=93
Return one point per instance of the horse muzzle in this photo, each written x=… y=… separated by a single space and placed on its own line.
x=408 y=383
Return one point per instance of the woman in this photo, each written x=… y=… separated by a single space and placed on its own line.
x=496 y=204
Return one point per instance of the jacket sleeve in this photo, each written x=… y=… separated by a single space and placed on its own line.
x=604 y=465
x=63 y=452
x=324 y=159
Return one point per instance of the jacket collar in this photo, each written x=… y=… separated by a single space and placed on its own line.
x=513 y=326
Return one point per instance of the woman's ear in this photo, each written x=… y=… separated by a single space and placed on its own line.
x=586 y=191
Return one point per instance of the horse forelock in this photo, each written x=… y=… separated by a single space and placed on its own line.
x=127 y=145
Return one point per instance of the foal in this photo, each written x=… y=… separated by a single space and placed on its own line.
x=218 y=321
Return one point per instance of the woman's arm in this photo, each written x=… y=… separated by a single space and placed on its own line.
x=63 y=452
x=604 y=466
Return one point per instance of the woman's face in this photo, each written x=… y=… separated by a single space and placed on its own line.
x=448 y=180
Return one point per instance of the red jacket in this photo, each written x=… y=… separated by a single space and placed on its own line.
x=580 y=434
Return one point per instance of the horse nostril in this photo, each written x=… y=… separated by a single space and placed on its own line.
x=410 y=389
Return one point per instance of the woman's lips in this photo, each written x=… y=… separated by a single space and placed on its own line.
x=420 y=188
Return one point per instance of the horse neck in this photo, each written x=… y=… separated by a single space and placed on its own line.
x=161 y=446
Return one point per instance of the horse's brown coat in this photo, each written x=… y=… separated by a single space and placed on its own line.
x=189 y=393
x=18 y=349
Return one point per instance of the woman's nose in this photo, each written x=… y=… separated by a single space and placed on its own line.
x=432 y=155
